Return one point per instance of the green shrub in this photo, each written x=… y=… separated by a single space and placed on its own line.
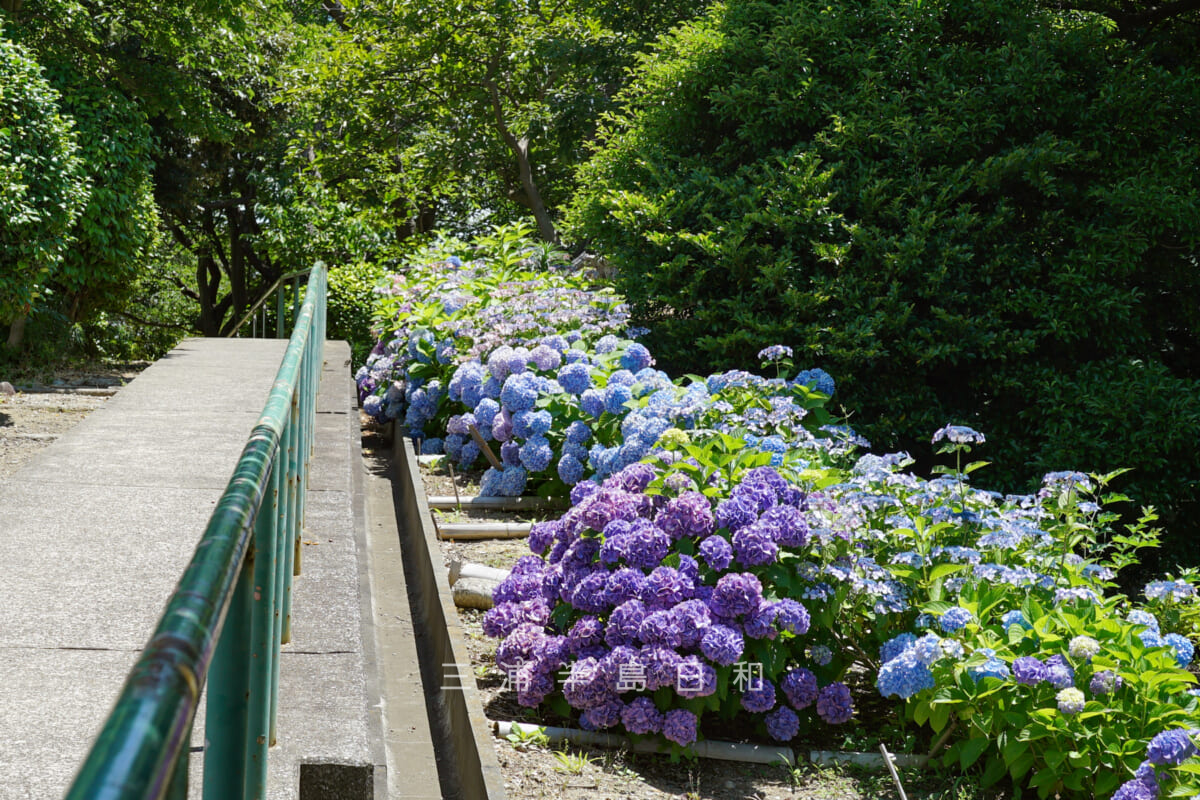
x=351 y=305
x=970 y=210
x=42 y=183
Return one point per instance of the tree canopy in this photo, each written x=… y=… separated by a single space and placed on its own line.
x=967 y=210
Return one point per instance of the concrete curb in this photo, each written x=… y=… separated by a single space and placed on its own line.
x=474 y=759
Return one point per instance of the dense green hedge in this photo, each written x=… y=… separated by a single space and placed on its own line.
x=972 y=210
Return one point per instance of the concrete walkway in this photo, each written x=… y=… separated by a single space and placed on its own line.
x=95 y=531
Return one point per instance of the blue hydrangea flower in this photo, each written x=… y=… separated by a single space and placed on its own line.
x=955 y=619
x=958 y=434
x=636 y=357
x=1171 y=590
x=1015 y=617
x=1171 y=747
x=536 y=454
x=993 y=667
x=570 y=470
x=578 y=432
x=615 y=398
x=904 y=676
x=820 y=655
x=575 y=378
x=895 y=646
x=1182 y=647
x=592 y=403
x=776 y=352
x=816 y=378
x=1059 y=673
x=545 y=358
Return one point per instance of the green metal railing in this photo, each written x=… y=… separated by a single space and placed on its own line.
x=228 y=615
x=257 y=315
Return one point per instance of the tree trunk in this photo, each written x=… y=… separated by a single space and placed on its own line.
x=208 y=278
x=16 y=331
x=520 y=150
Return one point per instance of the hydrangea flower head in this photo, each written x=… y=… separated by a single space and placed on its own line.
x=1171 y=747
x=776 y=352
x=735 y=595
x=1145 y=618
x=1059 y=673
x=958 y=434
x=1015 y=617
x=782 y=724
x=904 y=676
x=1184 y=650
x=1170 y=590
x=1029 y=670
x=1083 y=648
x=722 y=645
x=820 y=655
x=641 y=716
x=1105 y=682
x=993 y=667
x=834 y=704
x=799 y=687
x=1070 y=701
x=679 y=725
x=955 y=619
x=759 y=696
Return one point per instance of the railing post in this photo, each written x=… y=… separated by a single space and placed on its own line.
x=288 y=515
x=281 y=584
x=225 y=728
x=178 y=790
x=295 y=298
x=264 y=652
x=279 y=314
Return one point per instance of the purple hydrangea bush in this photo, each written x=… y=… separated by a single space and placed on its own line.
x=629 y=617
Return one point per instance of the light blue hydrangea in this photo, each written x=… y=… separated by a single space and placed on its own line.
x=1182 y=647
x=904 y=676
x=955 y=619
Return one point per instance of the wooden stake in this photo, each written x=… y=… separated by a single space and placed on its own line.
x=454 y=484
x=487 y=451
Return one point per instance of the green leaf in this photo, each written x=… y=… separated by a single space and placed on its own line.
x=970 y=751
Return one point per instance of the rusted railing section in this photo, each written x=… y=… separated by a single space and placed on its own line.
x=229 y=614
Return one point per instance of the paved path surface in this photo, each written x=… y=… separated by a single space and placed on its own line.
x=95 y=531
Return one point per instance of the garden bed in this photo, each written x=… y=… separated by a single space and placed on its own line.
x=536 y=769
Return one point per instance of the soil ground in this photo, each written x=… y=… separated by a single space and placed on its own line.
x=576 y=773
x=47 y=406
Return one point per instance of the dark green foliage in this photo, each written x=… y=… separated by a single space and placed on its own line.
x=117 y=227
x=42 y=183
x=973 y=211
